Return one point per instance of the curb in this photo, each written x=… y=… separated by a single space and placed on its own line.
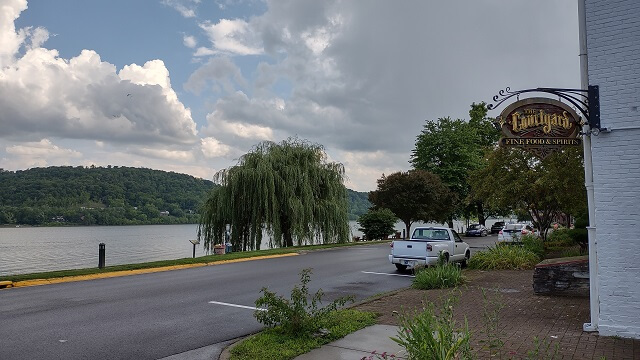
x=6 y=284
x=37 y=282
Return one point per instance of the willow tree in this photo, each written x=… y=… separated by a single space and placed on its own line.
x=288 y=191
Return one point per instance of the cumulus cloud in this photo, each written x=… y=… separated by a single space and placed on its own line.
x=43 y=148
x=44 y=95
x=212 y=148
x=231 y=37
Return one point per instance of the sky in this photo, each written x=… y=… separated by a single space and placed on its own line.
x=191 y=85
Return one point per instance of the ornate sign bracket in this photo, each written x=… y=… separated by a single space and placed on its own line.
x=586 y=101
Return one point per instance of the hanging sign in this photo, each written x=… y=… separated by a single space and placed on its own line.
x=540 y=126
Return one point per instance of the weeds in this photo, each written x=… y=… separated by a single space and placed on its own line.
x=542 y=350
x=426 y=335
x=491 y=317
x=296 y=316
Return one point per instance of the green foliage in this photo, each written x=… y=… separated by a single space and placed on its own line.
x=275 y=344
x=425 y=335
x=534 y=244
x=515 y=179
x=99 y=196
x=296 y=316
x=504 y=257
x=452 y=149
x=358 y=203
x=414 y=195
x=560 y=237
x=377 y=224
x=542 y=350
x=287 y=189
x=438 y=277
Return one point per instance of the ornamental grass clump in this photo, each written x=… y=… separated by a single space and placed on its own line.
x=438 y=277
x=506 y=257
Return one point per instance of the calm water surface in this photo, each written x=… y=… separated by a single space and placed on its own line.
x=36 y=249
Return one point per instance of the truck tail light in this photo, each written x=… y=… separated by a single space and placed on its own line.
x=501 y=233
x=391 y=244
x=429 y=247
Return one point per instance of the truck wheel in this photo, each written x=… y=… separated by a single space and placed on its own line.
x=401 y=267
x=465 y=262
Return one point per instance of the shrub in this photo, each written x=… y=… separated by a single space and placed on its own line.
x=426 y=336
x=377 y=224
x=296 y=316
x=534 y=244
x=438 y=277
x=560 y=237
x=504 y=258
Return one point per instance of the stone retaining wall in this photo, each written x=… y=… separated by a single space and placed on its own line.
x=564 y=276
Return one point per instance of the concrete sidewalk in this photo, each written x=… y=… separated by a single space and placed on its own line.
x=556 y=322
x=359 y=344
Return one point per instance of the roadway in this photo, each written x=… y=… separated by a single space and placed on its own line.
x=157 y=315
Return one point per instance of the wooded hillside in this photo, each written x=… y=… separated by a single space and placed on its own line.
x=113 y=195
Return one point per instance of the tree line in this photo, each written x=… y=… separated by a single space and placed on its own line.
x=112 y=195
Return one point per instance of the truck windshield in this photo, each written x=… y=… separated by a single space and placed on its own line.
x=430 y=234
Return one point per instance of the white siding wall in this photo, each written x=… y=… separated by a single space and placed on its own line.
x=613 y=47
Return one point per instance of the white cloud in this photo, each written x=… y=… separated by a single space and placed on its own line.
x=186 y=8
x=44 y=148
x=44 y=95
x=232 y=37
x=189 y=41
x=212 y=148
x=175 y=155
x=219 y=71
x=10 y=40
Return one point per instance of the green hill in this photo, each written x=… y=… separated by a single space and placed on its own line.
x=110 y=195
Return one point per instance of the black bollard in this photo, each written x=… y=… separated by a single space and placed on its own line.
x=101 y=256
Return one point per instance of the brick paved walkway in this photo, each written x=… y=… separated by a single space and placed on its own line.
x=555 y=321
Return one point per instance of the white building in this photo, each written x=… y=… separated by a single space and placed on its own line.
x=613 y=53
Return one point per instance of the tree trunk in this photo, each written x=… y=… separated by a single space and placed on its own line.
x=480 y=211
x=450 y=222
x=408 y=227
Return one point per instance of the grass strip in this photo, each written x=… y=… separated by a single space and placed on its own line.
x=273 y=344
x=184 y=261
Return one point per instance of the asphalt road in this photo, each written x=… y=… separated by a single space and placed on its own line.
x=157 y=315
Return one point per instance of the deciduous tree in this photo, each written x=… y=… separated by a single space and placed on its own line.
x=287 y=189
x=415 y=195
x=541 y=188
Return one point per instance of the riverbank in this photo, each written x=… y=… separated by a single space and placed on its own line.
x=165 y=265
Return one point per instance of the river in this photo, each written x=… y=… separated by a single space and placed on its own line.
x=37 y=249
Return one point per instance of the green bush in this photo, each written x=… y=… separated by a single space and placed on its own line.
x=560 y=237
x=534 y=244
x=425 y=335
x=438 y=277
x=580 y=236
x=505 y=257
x=296 y=316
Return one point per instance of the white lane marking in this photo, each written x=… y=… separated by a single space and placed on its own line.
x=238 y=306
x=377 y=273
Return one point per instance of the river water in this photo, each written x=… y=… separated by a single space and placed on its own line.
x=37 y=249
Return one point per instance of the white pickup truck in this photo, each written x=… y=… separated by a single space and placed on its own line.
x=426 y=245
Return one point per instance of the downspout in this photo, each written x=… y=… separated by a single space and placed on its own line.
x=594 y=290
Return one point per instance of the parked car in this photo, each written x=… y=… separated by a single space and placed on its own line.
x=426 y=246
x=513 y=232
x=497 y=226
x=476 y=230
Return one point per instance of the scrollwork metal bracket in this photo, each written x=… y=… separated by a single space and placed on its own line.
x=585 y=101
